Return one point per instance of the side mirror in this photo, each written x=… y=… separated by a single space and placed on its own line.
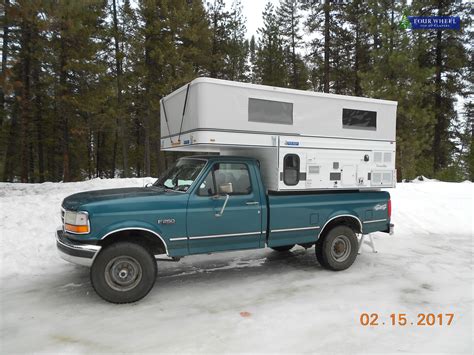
x=221 y=212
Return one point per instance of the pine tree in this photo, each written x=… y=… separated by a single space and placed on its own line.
x=253 y=60
x=121 y=121
x=328 y=50
x=395 y=75
x=76 y=30
x=356 y=16
x=270 y=68
x=219 y=19
x=289 y=18
x=236 y=65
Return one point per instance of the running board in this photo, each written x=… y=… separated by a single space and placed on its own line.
x=164 y=257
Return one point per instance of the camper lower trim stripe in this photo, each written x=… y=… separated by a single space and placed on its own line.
x=265 y=146
x=375 y=221
x=271 y=133
x=224 y=235
x=294 y=229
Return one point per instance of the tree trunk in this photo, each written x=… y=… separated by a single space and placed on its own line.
x=326 y=45
x=63 y=113
x=4 y=58
x=39 y=119
x=89 y=150
x=114 y=153
x=293 y=49
x=25 y=96
x=357 y=85
x=440 y=129
x=121 y=119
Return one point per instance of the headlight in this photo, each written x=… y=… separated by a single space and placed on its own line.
x=76 y=222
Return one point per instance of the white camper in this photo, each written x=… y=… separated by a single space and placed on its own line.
x=304 y=140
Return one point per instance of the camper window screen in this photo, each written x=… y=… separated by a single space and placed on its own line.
x=359 y=119
x=291 y=169
x=267 y=111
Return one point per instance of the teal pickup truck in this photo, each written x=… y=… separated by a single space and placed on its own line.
x=207 y=204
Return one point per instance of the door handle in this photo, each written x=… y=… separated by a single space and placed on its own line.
x=250 y=203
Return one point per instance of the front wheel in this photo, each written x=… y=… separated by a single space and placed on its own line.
x=123 y=272
x=337 y=250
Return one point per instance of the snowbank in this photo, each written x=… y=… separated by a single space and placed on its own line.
x=250 y=301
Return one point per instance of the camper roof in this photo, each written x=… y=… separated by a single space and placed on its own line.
x=279 y=89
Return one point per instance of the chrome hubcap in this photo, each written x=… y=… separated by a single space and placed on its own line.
x=123 y=273
x=340 y=248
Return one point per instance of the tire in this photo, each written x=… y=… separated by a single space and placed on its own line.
x=283 y=248
x=319 y=253
x=337 y=250
x=123 y=272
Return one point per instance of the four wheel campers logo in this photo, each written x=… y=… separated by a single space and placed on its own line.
x=430 y=22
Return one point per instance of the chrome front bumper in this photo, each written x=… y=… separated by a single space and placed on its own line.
x=75 y=252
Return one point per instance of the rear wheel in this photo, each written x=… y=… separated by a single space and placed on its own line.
x=123 y=272
x=337 y=250
x=283 y=248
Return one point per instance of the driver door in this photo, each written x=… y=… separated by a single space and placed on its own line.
x=225 y=212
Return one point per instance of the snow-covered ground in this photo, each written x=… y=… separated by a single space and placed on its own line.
x=250 y=301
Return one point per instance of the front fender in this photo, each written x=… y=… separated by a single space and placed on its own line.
x=128 y=225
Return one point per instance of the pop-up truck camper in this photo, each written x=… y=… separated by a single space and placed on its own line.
x=303 y=140
x=286 y=168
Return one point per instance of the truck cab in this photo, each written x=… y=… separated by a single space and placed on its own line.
x=205 y=204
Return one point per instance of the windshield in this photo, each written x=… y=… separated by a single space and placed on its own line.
x=181 y=175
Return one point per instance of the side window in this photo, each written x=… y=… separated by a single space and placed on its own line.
x=207 y=187
x=291 y=169
x=268 y=111
x=359 y=119
x=227 y=178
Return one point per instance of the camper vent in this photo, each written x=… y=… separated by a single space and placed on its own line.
x=334 y=176
x=381 y=178
x=376 y=178
x=377 y=157
x=335 y=165
x=313 y=169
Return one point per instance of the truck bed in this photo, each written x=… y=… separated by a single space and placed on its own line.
x=296 y=218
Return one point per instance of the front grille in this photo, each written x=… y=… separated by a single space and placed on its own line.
x=62 y=215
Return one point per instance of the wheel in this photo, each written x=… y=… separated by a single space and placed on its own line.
x=337 y=250
x=319 y=253
x=283 y=248
x=123 y=272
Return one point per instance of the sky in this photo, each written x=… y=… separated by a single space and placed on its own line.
x=252 y=10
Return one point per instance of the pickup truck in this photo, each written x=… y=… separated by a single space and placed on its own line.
x=202 y=205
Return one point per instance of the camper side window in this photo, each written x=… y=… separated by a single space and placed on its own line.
x=359 y=119
x=228 y=179
x=269 y=111
x=291 y=169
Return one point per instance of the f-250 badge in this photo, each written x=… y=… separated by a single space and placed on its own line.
x=167 y=221
x=380 y=207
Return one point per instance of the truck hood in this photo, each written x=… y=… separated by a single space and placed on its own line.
x=74 y=202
